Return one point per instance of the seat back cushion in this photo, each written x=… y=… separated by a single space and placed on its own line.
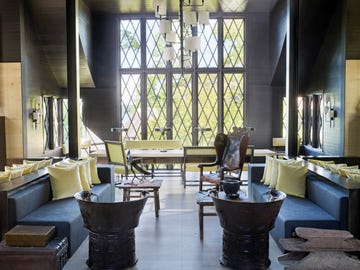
x=332 y=198
x=28 y=199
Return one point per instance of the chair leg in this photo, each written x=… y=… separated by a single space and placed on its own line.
x=201 y=221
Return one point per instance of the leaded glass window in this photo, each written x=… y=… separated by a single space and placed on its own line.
x=194 y=103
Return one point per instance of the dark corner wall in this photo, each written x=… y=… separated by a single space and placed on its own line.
x=322 y=63
x=102 y=103
x=321 y=60
x=278 y=18
x=260 y=110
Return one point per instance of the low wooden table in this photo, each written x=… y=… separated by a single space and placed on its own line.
x=150 y=185
x=51 y=257
x=320 y=249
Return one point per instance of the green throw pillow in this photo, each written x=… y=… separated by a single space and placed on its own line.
x=292 y=179
x=65 y=181
x=275 y=169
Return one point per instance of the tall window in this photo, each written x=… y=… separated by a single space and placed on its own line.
x=160 y=100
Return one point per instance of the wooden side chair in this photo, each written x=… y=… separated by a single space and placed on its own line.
x=230 y=157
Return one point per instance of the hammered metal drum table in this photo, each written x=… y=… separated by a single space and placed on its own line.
x=111 y=230
x=246 y=224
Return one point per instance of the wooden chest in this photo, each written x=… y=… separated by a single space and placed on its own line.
x=51 y=257
x=29 y=236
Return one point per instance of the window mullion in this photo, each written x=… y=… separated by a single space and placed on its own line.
x=143 y=84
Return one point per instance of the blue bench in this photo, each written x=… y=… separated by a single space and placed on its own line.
x=33 y=205
x=324 y=206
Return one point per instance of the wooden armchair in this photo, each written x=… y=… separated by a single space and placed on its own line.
x=230 y=158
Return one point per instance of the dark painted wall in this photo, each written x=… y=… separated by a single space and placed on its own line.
x=328 y=76
x=9 y=31
x=314 y=20
x=102 y=104
x=37 y=80
x=85 y=31
x=259 y=94
x=278 y=18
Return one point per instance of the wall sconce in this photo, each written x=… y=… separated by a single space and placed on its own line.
x=36 y=110
x=329 y=109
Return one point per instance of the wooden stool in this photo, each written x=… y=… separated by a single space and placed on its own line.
x=320 y=249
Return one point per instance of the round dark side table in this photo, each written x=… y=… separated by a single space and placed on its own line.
x=111 y=230
x=246 y=224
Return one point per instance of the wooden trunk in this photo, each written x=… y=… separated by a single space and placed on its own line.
x=51 y=257
x=29 y=236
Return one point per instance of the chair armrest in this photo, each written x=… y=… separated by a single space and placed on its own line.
x=210 y=164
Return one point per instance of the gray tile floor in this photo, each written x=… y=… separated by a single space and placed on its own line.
x=172 y=240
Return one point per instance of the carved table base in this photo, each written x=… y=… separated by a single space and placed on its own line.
x=111 y=251
x=246 y=252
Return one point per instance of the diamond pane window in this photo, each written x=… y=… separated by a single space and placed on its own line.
x=208 y=55
x=233 y=101
x=156 y=94
x=154 y=45
x=233 y=49
x=208 y=107
x=156 y=105
x=130 y=104
x=182 y=107
x=130 y=52
x=175 y=24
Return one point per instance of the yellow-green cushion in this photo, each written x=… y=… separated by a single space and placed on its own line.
x=14 y=172
x=65 y=181
x=15 y=167
x=292 y=179
x=275 y=169
x=353 y=169
x=41 y=163
x=93 y=170
x=326 y=163
x=335 y=167
x=5 y=177
x=32 y=162
x=353 y=176
x=268 y=170
x=84 y=179
x=314 y=161
x=85 y=170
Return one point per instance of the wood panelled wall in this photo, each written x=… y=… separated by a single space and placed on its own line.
x=352 y=108
x=10 y=105
x=353 y=29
